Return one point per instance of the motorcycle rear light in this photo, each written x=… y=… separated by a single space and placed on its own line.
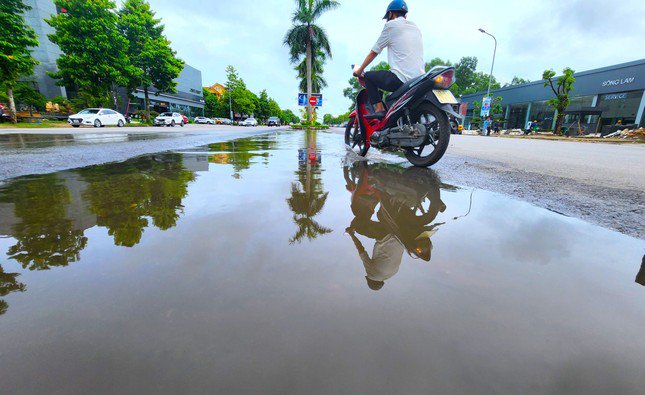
x=445 y=79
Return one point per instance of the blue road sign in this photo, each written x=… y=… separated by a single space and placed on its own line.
x=304 y=101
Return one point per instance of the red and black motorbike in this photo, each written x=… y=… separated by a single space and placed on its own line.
x=416 y=121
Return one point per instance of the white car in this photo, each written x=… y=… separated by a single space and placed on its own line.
x=249 y=122
x=169 y=119
x=204 y=120
x=96 y=117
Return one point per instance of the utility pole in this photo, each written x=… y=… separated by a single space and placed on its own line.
x=490 y=77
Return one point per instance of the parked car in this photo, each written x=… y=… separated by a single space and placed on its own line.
x=96 y=117
x=169 y=119
x=249 y=122
x=223 y=121
x=185 y=118
x=204 y=120
x=274 y=121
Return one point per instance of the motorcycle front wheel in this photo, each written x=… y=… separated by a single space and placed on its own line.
x=354 y=139
x=438 y=136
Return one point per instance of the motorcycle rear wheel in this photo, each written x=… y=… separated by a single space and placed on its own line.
x=354 y=138
x=438 y=129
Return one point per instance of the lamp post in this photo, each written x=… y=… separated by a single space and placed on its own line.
x=490 y=77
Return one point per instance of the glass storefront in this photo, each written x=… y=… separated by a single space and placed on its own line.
x=517 y=116
x=543 y=113
x=163 y=106
x=619 y=107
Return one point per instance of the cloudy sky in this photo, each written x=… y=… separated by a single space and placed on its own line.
x=533 y=35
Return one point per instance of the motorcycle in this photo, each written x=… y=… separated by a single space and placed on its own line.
x=416 y=121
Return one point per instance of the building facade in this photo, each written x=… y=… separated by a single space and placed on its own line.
x=617 y=93
x=188 y=99
x=47 y=52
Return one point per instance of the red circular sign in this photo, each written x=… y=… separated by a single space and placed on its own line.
x=313 y=101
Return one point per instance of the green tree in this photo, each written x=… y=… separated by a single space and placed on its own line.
x=243 y=100
x=95 y=54
x=318 y=82
x=288 y=116
x=26 y=94
x=154 y=61
x=274 y=108
x=561 y=88
x=305 y=37
x=16 y=37
x=262 y=111
x=517 y=81
x=437 y=62
x=496 y=110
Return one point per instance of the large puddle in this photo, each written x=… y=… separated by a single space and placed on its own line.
x=276 y=265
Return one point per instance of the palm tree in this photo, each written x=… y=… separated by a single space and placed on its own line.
x=305 y=37
x=318 y=82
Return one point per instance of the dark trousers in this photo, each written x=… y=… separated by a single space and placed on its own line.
x=383 y=79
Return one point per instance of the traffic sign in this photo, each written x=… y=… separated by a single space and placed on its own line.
x=313 y=101
x=304 y=100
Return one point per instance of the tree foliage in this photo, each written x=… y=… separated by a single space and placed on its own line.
x=16 y=37
x=25 y=93
x=317 y=80
x=517 y=81
x=154 y=62
x=95 y=54
x=561 y=88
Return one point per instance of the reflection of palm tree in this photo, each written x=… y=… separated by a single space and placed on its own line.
x=308 y=199
x=45 y=236
x=305 y=206
x=8 y=284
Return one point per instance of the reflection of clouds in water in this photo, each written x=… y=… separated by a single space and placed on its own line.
x=523 y=234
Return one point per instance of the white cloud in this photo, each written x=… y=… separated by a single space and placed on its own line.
x=533 y=35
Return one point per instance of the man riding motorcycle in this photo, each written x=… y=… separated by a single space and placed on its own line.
x=404 y=42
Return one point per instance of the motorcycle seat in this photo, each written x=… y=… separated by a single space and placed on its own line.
x=405 y=87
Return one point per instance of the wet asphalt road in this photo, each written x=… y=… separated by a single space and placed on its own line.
x=600 y=183
x=282 y=264
x=24 y=151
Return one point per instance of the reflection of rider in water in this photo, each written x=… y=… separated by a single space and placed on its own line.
x=399 y=227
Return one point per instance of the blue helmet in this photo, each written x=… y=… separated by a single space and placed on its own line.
x=396 y=5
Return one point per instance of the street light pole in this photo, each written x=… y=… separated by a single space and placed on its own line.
x=490 y=77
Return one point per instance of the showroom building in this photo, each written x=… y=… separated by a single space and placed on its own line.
x=602 y=96
x=188 y=99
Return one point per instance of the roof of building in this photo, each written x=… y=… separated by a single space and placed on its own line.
x=536 y=87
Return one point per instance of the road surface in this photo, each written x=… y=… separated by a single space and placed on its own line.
x=601 y=183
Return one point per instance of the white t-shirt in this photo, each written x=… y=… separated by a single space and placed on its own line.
x=386 y=259
x=404 y=44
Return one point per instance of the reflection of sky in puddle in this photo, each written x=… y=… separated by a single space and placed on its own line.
x=241 y=274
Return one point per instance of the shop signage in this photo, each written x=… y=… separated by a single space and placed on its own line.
x=619 y=81
x=618 y=96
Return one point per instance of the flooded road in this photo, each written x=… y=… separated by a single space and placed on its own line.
x=276 y=264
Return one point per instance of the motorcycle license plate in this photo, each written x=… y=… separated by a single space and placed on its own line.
x=445 y=97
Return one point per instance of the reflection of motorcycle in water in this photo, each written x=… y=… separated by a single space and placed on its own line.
x=406 y=201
